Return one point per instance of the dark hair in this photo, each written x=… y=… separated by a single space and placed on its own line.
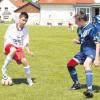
x=81 y=15
x=23 y=14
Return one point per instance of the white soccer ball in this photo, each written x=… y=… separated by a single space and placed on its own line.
x=7 y=81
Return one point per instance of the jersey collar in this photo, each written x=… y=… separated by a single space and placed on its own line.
x=86 y=25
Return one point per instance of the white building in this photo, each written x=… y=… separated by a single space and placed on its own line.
x=57 y=12
x=7 y=8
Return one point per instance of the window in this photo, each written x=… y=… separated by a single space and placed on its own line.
x=5 y=17
x=85 y=9
x=6 y=8
x=6 y=14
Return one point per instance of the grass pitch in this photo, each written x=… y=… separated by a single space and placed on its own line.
x=52 y=47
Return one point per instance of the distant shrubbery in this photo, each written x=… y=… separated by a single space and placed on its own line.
x=29 y=0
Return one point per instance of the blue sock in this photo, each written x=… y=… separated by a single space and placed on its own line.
x=89 y=79
x=73 y=75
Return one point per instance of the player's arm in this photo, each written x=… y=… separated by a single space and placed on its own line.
x=26 y=44
x=7 y=33
x=5 y=38
x=28 y=50
x=96 y=61
x=96 y=38
x=76 y=41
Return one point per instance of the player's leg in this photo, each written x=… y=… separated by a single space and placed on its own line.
x=8 y=59
x=78 y=59
x=27 y=71
x=68 y=26
x=72 y=27
x=89 y=75
x=21 y=59
x=72 y=70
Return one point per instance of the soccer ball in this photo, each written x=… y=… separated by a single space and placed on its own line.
x=7 y=81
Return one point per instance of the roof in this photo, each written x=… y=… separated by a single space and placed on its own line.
x=37 y=6
x=66 y=1
x=85 y=1
x=18 y=3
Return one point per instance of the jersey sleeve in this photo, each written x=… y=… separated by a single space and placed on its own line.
x=98 y=32
x=78 y=33
x=93 y=34
x=8 y=32
x=7 y=35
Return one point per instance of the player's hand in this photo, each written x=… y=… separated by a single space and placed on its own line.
x=76 y=41
x=31 y=53
x=3 y=50
x=96 y=62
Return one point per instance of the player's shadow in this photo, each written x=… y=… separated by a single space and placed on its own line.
x=22 y=80
x=96 y=88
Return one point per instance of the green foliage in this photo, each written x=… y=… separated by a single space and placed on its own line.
x=29 y=0
x=52 y=47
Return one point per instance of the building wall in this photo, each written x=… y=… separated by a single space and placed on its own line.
x=52 y=13
x=97 y=1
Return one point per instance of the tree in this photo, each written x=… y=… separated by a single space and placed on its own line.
x=29 y=0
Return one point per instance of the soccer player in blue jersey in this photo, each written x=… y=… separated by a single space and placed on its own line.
x=87 y=35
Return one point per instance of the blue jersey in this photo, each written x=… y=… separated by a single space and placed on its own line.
x=87 y=36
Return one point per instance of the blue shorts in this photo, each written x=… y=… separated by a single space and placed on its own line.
x=82 y=55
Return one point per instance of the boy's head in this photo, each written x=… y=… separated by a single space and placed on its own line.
x=81 y=18
x=23 y=17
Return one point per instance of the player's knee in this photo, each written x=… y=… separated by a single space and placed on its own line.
x=24 y=61
x=12 y=49
x=86 y=65
x=72 y=63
